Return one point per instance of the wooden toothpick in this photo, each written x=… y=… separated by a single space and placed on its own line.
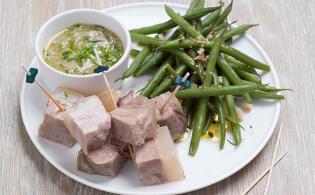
x=263 y=174
x=60 y=107
x=175 y=91
x=110 y=90
x=273 y=159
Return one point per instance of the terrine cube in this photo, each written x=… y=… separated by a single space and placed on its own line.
x=53 y=127
x=89 y=123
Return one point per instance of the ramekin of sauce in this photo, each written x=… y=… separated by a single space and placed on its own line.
x=73 y=46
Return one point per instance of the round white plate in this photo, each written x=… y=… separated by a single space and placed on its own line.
x=210 y=164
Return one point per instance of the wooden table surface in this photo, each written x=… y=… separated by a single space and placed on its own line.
x=286 y=34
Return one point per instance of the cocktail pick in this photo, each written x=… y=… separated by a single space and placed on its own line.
x=100 y=69
x=273 y=159
x=175 y=90
x=109 y=90
x=31 y=78
x=263 y=174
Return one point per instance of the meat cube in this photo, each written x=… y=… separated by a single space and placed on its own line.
x=53 y=127
x=126 y=98
x=103 y=161
x=134 y=123
x=172 y=114
x=89 y=123
x=83 y=164
x=131 y=99
x=157 y=159
x=149 y=164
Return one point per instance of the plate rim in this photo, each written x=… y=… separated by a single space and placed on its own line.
x=202 y=185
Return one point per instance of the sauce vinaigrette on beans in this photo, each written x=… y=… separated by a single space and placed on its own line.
x=80 y=48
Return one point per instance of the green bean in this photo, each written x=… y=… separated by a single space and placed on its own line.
x=198 y=26
x=228 y=71
x=227 y=117
x=134 y=53
x=171 y=70
x=230 y=104
x=167 y=83
x=200 y=72
x=212 y=61
x=157 y=78
x=244 y=58
x=248 y=76
x=211 y=18
x=237 y=31
x=219 y=106
x=182 y=22
x=201 y=113
x=237 y=65
x=187 y=103
x=220 y=29
x=212 y=91
x=145 y=40
x=184 y=58
x=231 y=75
x=186 y=43
x=199 y=124
x=225 y=13
x=158 y=28
x=264 y=88
x=196 y=4
x=137 y=62
x=258 y=94
x=157 y=57
x=189 y=43
x=209 y=119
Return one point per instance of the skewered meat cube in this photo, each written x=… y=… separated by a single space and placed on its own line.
x=53 y=127
x=172 y=114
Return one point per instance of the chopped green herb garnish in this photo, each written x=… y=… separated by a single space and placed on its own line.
x=74 y=48
x=65 y=94
x=76 y=25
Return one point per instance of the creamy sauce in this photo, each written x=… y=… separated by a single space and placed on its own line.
x=81 y=48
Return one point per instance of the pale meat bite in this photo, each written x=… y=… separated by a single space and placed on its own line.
x=157 y=159
x=53 y=127
x=132 y=99
x=171 y=116
x=104 y=161
x=134 y=123
x=89 y=123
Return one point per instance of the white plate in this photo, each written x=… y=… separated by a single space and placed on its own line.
x=210 y=164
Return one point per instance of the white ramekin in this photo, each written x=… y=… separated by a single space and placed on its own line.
x=86 y=84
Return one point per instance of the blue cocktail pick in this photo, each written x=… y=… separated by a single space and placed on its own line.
x=100 y=69
x=30 y=77
x=185 y=84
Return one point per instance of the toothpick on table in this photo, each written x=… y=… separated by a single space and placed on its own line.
x=263 y=174
x=60 y=107
x=273 y=159
x=175 y=91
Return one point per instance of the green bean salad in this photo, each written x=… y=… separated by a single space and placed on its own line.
x=199 y=42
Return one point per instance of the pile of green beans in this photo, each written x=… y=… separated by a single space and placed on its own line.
x=201 y=45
